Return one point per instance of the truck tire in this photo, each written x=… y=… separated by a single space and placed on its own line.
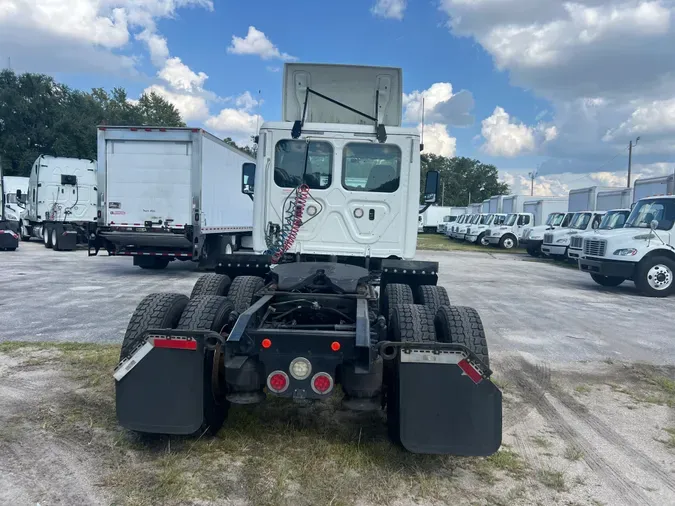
x=607 y=280
x=152 y=263
x=24 y=232
x=209 y=312
x=433 y=297
x=534 y=252
x=655 y=276
x=211 y=284
x=47 y=236
x=242 y=291
x=409 y=323
x=482 y=240
x=462 y=325
x=155 y=311
x=508 y=242
x=394 y=294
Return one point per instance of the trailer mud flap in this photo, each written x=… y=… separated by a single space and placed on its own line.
x=160 y=388
x=445 y=410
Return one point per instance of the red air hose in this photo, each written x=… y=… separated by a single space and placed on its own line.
x=296 y=212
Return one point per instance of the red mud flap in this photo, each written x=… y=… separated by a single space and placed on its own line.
x=446 y=404
x=160 y=388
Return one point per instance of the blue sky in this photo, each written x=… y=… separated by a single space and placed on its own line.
x=545 y=81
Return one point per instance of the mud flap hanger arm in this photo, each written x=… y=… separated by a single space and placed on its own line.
x=380 y=130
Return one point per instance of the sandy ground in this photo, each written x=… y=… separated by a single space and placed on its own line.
x=588 y=400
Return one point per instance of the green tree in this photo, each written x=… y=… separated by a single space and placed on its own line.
x=40 y=116
x=463 y=178
x=251 y=151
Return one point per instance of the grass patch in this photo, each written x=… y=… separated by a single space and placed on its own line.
x=504 y=460
x=573 y=453
x=552 y=479
x=438 y=242
x=582 y=389
x=541 y=441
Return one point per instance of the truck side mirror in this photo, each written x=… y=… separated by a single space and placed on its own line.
x=653 y=224
x=431 y=187
x=248 y=179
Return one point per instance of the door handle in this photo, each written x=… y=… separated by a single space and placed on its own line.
x=371 y=214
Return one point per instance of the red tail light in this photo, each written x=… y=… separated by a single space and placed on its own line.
x=277 y=382
x=322 y=383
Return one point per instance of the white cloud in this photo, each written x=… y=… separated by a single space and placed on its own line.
x=520 y=184
x=440 y=105
x=246 y=102
x=391 y=9
x=191 y=107
x=653 y=118
x=157 y=46
x=180 y=77
x=257 y=43
x=504 y=137
x=438 y=141
x=235 y=123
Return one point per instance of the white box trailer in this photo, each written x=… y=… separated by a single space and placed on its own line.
x=13 y=206
x=475 y=208
x=542 y=207
x=615 y=199
x=650 y=186
x=170 y=193
x=586 y=199
x=434 y=215
x=448 y=219
x=485 y=207
x=61 y=204
x=496 y=204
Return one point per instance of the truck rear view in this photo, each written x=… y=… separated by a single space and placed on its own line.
x=170 y=194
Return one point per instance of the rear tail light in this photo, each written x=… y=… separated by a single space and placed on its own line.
x=322 y=383
x=300 y=368
x=277 y=382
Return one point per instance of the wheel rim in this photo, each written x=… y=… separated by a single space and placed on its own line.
x=45 y=236
x=228 y=249
x=508 y=243
x=53 y=237
x=660 y=277
x=484 y=241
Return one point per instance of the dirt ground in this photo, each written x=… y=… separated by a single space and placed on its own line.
x=588 y=434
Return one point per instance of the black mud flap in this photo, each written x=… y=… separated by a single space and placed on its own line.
x=160 y=388
x=443 y=410
x=8 y=239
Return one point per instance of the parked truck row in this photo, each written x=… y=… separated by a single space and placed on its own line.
x=583 y=227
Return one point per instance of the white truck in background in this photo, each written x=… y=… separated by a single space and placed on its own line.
x=455 y=214
x=171 y=194
x=652 y=186
x=485 y=207
x=453 y=228
x=549 y=213
x=433 y=216
x=584 y=203
x=642 y=251
x=617 y=203
x=508 y=235
x=14 y=207
x=477 y=232
x=9 y=239
x=61 y=203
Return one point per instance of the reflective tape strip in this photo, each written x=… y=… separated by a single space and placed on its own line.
x=425 y=356
x=126 y=366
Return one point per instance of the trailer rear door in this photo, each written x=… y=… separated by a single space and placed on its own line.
x=148 y=181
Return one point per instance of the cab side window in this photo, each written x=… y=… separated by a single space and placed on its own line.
x=369 y=167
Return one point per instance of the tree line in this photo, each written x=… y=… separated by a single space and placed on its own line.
x=40 y=116
x=463 y=180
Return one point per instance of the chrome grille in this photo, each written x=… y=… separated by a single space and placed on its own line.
x=595 y=247
x=577 y=242
x=548 y=238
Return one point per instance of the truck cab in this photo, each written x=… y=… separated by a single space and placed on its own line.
x=557 y=242
x=477 y=233
x=642 y=251
x=443 y=226
x=452 y=228
x=461 y=230
x=508 y=235
x=612 y=220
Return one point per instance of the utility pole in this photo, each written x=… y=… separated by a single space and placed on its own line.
x=533 y=175
x=630 y=157
x=469 y=199
x=442 y=195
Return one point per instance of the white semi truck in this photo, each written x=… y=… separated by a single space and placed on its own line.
x=14 y=207
x=584 y=203
x=345 y=304
x=617 y=203
x=9 y=239
x=642 y=251
x=61 y=203
x=170 y=194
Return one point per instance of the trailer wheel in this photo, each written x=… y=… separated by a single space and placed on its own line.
x=47 y=236
x=462 y=325
x=242 y=291
x=395 y=294
x=655 y=276
x=211 y=284
x=433 y=297
x=155 y=311
x=210 y=312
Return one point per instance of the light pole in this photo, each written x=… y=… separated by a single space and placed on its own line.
x=630 y=157
x=533 y=175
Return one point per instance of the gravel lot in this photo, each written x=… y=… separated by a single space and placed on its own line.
x=538 y=308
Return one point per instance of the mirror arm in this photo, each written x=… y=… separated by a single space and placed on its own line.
x=423 y=210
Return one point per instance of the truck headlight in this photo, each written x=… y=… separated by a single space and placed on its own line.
x=626 y=252
x=560 y=241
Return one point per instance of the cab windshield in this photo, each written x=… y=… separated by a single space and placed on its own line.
x=498 y=219
x=580 y=221
x=476 y=219
x=661 y=210
x=613 y=219
x=511 y=219
x=555 y=219
x=566 y=221
x=486 y=219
